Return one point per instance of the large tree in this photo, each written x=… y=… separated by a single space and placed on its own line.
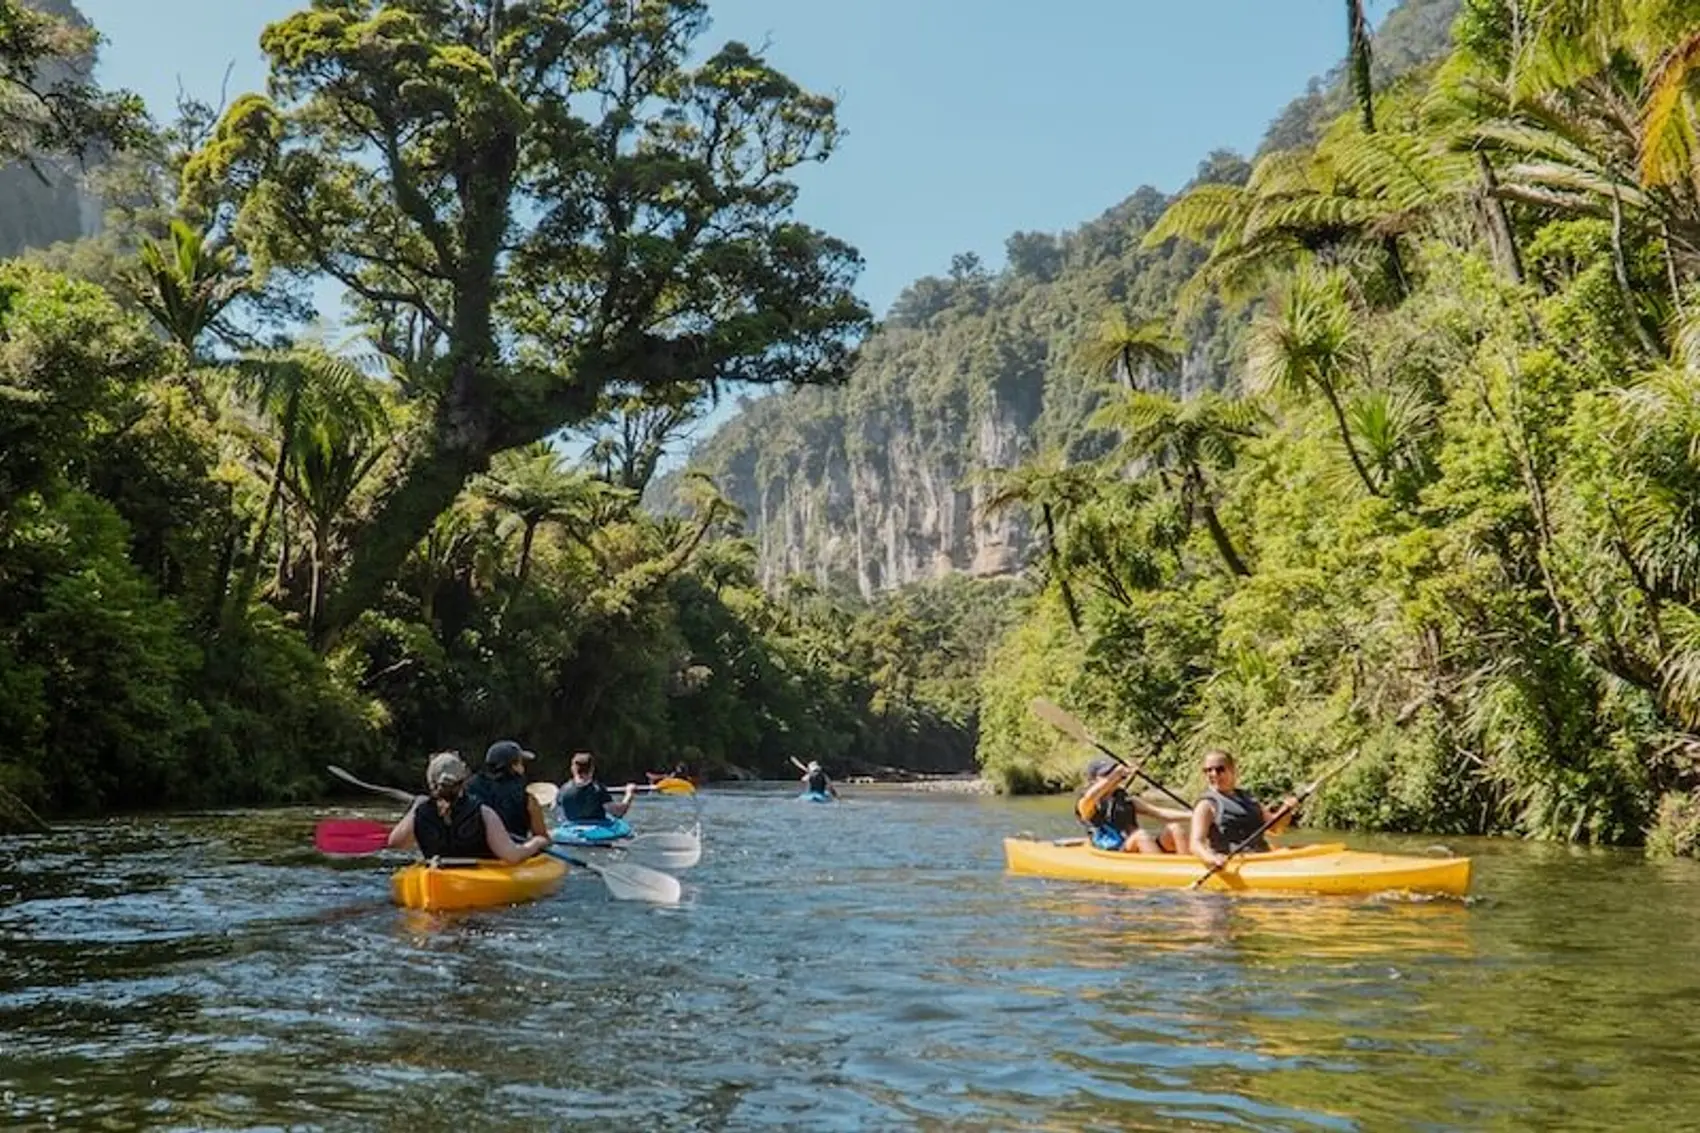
x=550 y=201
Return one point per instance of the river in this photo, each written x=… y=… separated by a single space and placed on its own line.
x=862 y=966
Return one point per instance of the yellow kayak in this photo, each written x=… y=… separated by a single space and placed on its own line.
x=1325 y=868
x=478 y=886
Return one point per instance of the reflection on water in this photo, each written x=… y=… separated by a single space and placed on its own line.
x=865 y=966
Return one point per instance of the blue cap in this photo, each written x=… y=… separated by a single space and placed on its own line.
x=504 y=752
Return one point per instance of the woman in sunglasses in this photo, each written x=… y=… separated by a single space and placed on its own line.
x=1227 y=816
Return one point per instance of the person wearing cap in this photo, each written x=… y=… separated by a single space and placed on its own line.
x=501 y=787
x=814 y=779
x=583 y=799
x=1111 y=815
x=449 y=823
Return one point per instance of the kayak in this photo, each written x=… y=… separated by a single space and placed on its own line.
x=815 y=797
x=1324 y=868
x=659 y=777
x=592 y=833
x=476 y=886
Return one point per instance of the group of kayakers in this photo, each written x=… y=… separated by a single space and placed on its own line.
x=1226 y=818
x=491 y=814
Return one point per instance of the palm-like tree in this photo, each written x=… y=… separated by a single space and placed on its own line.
x=294 y=393
x=1195 y=437
x=534 y=486
x=188 y=283
x=1051 y=490
x=1120 y=350
x=1311 y=344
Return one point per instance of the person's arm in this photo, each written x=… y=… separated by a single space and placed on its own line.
x=401 y=835
x=1289 y=806
x=1096 y=792
x=619 y=809
x=1166 y=813
x=502 y=844
x=1203 y=815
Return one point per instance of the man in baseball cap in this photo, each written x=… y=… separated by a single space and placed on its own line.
x=501 y=787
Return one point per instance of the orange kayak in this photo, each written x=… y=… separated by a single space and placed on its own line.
x=1325 y=868
x=479 y=886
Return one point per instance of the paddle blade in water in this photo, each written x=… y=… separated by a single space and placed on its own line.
x=346 y=836
x=544 y=794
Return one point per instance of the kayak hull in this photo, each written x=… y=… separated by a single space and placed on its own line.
x=481 y=886
x=815 y=797
x=592 y=833
x=1329 y=868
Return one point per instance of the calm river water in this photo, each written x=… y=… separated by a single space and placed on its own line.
x=863 y=966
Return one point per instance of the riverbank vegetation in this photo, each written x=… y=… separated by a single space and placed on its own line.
x=232 y=551
x=1452 y=482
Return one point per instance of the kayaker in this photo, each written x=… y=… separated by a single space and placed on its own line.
x=815 y=780
x=1227 y=816
x=450 y=823
x=501 y=787
x=584 y=799
x=1111 y=814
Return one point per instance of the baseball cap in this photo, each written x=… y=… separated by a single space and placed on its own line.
x=504 y=752
x=444 y=769
x=1100 y=767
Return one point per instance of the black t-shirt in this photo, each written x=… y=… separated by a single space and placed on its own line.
x=584 y=802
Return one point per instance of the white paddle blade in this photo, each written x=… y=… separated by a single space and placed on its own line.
x=679 y=840
x=628 y=881
x=392 y=792
x=544 y=794
x=662 y=858
x=1060 y=720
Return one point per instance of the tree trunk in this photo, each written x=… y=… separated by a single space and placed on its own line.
x=1499 y=221
x=1057 y=572
x=525 y=554
x=1328 y=391
x=256 y=550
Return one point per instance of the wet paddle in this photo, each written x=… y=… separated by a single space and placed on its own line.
x=1067 y=724
x=546 y=793
x=358 y=837
x=625 y=880
x=1281 y=812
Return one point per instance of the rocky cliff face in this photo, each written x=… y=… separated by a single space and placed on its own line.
x=887 y=481
x=47 y=204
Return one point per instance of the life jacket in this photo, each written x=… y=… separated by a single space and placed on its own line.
x=818 y=782
x=504 y=793
x=1115 y=812
x=462 y=836
x=1238 y=817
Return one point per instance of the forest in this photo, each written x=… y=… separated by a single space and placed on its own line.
x=234 y=545
x=1380 y=440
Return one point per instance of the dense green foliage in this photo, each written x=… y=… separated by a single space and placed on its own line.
x=186 y=491
x=1458 y=464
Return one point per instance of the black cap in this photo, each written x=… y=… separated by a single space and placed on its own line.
x=504 y=752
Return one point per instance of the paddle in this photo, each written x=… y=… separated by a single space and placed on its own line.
x=1281 y=812
x=626 y=881
x=357 y=837
x=799 y=764
x=547 y=793
x=1063 y=722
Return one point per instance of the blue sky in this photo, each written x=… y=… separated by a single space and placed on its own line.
x=967 y=119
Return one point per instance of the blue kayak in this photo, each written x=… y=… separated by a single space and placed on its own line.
x=815 y=797
x=592 y=833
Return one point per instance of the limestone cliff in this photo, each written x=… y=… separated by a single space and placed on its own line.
x=883 y=482
x=47 y=204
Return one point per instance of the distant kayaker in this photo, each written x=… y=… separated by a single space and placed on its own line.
x=815 y=780
x=501 y=787
x=1227 y=816
x=1111 y=815
x=450 y=823
x=584 y=799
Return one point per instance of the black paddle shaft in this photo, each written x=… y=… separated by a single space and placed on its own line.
x=1140 y=771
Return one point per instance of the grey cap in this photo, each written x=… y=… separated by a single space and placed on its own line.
x=1100 y=767
x=504 y=752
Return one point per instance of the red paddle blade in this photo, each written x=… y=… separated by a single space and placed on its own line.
x=350 y=836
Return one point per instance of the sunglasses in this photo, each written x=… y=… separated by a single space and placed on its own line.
x=1215 y=769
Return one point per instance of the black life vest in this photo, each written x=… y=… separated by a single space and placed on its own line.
x=583 y=802
x=1238 y=817
x=818 y=782
x=462 y=836
x=504 y=793
x=1115 y=811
